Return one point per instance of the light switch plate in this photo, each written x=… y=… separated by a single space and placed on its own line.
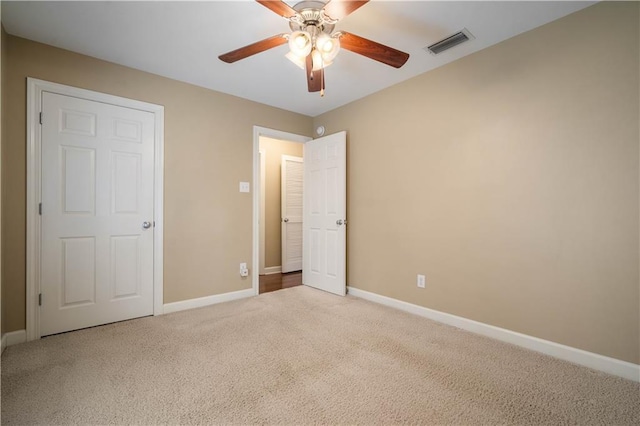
x=244 y=186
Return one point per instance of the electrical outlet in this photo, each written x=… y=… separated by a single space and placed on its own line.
x=244 y=272
x=421 y=281
x=244 y=187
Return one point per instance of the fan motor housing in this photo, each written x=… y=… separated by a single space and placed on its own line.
x=311 y=14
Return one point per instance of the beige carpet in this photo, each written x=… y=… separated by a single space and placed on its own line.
x=299 y=356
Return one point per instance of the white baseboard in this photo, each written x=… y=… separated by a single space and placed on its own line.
x=13 y=338
x=272 y=270
x=206 y=301
x=603 y=363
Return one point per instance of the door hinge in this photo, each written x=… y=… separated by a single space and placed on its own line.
x=40 y=118
x=40 y=299
x=40 y=209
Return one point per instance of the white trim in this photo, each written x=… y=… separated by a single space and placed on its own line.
x=275 y=134
x=34 y=97
x=207 y=300
x=270 y=270
x=13 y=338
x=35 y=88
x=158 y=213
x=263 y=210
x=592 y=360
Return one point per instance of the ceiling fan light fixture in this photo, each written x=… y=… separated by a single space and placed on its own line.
x=300 y=43
x=324 y=43
x=328 y=47
x=312 y=45
x=297 y=60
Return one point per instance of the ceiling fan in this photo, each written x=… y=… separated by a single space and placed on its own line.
x=312 y=43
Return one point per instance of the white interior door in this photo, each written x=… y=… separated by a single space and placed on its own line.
x=325 y=208
x=262 y=172
x=97 y=213
x=291 y=178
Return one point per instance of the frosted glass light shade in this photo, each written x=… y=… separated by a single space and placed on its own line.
x=328 y=47
x=300 y=43
x=295 y=59
x=317 y=61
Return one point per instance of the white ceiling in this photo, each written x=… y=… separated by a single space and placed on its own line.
x=182 y=40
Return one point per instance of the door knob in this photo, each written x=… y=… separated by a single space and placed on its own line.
x=285 y=220
x=146 y=225
x=339 y=222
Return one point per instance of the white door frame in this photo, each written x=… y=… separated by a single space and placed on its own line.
x=274 y=134
x=35 y=89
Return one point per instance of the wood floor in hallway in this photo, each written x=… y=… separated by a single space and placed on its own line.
x=273 y=282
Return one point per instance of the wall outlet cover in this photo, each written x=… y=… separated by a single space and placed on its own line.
x=244 y=272
x=421 y=281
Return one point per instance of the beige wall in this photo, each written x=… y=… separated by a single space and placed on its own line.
x=208 y=151
x=509 y=178
x=274 y=150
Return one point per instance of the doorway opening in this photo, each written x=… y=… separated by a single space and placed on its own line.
x=281 y=173
x=278 y=173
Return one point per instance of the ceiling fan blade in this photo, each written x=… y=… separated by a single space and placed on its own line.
x=338 y=9
x=279 y=7
x=315 y=79
x=252 y=49
x=371 y=49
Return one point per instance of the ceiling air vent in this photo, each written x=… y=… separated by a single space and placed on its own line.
x=449 y=42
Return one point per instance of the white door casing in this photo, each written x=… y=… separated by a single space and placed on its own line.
x=97 y=192
x=291 y=179
x=325 y=207
x=130 y=257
